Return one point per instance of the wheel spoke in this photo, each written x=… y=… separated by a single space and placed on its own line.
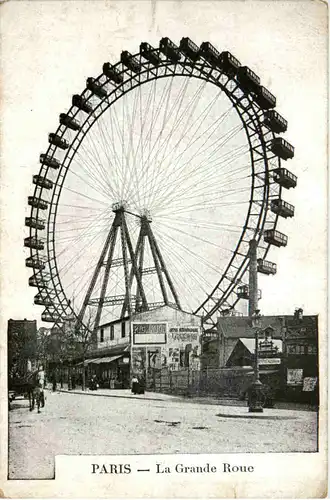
x=182 y=146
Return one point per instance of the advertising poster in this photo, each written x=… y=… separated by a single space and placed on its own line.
x=294 y=376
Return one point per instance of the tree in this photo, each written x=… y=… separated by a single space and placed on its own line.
x=43 y=344
x=79 y=339
x=22 y=346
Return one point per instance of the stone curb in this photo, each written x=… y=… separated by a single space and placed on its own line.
x=175 y=399
x=85 y=393
x=260 y=416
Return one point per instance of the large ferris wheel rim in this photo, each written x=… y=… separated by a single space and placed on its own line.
x=166 y=63
x=146 y=67
x=257 y=237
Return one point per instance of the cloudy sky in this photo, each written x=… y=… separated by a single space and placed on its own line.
x=50 y=48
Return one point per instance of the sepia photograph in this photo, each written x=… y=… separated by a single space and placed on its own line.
x=163 y=226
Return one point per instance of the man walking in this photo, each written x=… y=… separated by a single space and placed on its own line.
x=41 y=384
x=54 y=381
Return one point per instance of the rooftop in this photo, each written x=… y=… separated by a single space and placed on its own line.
x=240 y=326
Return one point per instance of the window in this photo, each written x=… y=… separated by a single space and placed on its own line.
x=296 y=349
x=184 y=358
x=112 y=332
x=312 y=349
x=102 y=335
x=123 y=329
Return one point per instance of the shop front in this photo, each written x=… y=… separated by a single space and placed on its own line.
x=301 y=363
x=111 y=371
x=167 y=343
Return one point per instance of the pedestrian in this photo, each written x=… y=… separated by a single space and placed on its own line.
x=93 y=383
x=54 y=382
x=41 y=384
x=135 y=385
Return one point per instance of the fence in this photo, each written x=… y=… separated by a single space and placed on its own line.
x=215 y=382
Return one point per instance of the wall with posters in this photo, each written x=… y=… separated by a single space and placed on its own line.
x=165 y=338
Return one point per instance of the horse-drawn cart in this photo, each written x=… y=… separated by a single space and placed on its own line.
x=27 y=387
x=18 y=386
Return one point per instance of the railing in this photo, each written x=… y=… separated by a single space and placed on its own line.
x=208 y=382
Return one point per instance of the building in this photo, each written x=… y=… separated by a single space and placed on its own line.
x=109 y=357
x=301 y=357
x=146 y=342
x=218 y=347
x=22 y=346
x=243 y=353
x=292 y=369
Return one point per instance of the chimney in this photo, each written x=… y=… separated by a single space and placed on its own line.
x=298 y=314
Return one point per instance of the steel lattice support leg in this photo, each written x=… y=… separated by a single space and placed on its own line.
x=153 y=248
x=131 y=274
x=96 y=274
x=164 y=268
x=134 y=266
x=124 y=252
x=140 y=269
x=105 y=278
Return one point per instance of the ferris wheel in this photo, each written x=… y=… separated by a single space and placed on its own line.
x=158 y=176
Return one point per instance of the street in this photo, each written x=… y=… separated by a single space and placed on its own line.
x=79 y=424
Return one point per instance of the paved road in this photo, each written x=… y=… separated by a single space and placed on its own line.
x=84 y=424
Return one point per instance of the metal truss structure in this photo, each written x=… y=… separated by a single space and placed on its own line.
x=261 y=125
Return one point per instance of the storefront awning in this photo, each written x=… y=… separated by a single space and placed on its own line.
x=87 y=362
x=106 y=360
x=264 y=372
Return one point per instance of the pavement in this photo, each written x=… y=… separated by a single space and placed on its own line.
x=156 y=396
x=82 y=423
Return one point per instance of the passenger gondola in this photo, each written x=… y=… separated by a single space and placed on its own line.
x=130 y=61
x=49 y=161
x=112 y=73
x=35 y=222
x=32 y=242
x=285 y=178
x=69 y=122
x=282 y=208
x=275 y=122
x=275 y=238
x=248 y=80
x=189 y=48
x=266 y=267
x=228 y=63
x=210 y=53
x=169 y=49
x=58 y=141
x=282 y=148
x=265 y=98
x=36 y=202
x=36 y=262
x=81 y=104
x=41 y=181
x=149 y=53
x=96 y=88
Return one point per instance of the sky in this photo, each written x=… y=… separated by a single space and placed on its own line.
x=50 y=48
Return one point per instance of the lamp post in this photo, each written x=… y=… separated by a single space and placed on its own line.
x=255 y=392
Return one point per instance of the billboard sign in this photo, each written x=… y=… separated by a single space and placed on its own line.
x=149 y=333
x=184 y=334
x=269 y=361
x=294 y=376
